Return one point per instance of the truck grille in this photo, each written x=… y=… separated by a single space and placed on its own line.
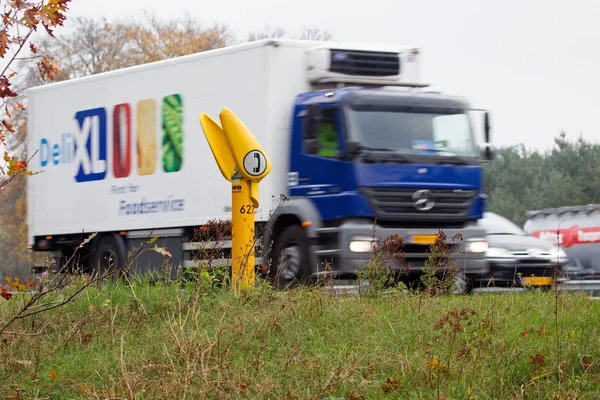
x=397 y=204
x=364 y=63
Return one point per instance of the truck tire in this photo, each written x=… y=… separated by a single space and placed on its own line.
x=290 y=257
x=108 y=255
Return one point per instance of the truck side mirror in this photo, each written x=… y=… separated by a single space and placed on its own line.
x=486 y=126
x=352 y=148
x=487 y=150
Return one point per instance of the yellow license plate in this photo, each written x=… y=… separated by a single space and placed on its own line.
x=421 y=239
x=538 y=281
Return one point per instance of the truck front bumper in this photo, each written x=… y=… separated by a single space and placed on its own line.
x=534 y=272
x=355 y=239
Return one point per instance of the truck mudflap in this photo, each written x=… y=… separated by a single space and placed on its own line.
x=355 y=241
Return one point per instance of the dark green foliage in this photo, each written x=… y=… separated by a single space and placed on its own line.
x=519 y=180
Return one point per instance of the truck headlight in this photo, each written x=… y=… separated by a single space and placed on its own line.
x=477 y=245
x=363 y=244
x=495 y=252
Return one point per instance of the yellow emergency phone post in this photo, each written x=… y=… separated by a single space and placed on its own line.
x=243 y=162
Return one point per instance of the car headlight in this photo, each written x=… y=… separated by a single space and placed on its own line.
x=477 y=245
x=363 y=244
x=495 y=252
x=559 y=255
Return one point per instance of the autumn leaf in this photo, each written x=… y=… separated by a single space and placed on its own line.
x=15 y=165
x=16 y=284
x=4 y=40
x=48 y=69
x=52 y=14
x=6 y=17
x=391 y=385
x=9 y=127
x=153 y=240
x=20 y=166
x=13 y=105
x=4 y=293
x=32 y=48
x=54 y=375
x=5 y=90
x=30 y=17
x=85 y=388
x=434 y=364
x=538 y=360
x=162 y=251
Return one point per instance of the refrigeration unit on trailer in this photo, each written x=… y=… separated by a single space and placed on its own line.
x=353 y=138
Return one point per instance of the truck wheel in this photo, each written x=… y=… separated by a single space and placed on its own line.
x=290 y=257
x=107 y=256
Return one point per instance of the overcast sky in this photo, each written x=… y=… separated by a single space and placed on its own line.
x=533 y=63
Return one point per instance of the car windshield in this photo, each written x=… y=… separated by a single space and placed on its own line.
x=412 y=131
x=495 y=224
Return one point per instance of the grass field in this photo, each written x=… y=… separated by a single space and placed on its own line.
x=167 y=341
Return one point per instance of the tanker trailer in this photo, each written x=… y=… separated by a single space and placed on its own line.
x=575 y=230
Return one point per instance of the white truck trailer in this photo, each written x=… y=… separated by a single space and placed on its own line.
x=123 y=155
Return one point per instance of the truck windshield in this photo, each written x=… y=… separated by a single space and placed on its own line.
x=412 y=130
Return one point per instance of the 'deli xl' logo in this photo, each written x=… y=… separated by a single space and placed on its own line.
x=89 y=147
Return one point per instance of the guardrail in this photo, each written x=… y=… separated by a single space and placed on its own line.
x=591 y=287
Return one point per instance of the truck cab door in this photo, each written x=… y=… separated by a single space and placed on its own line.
x=318 y=169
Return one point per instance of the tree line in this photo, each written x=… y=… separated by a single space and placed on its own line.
x=517 y=180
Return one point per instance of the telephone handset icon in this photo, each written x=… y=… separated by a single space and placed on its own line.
x=256 y=169
x=254 y=163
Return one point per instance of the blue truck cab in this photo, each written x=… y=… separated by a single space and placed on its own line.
x=369 y=162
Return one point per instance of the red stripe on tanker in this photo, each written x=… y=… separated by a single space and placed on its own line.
x=570 y=236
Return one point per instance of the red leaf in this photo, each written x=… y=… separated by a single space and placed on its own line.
x=32 y=48
x=30 y=17
x=5 y=294
x=5 y=90
x=8 y=126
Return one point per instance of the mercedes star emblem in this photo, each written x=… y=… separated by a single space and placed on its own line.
x=423 y=200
